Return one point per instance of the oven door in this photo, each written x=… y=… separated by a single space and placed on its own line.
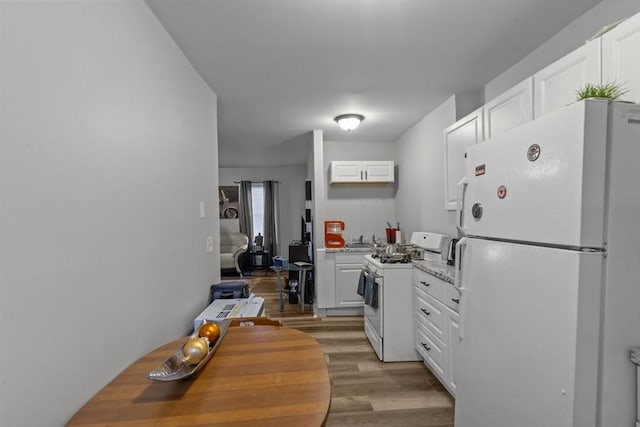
x=373 y=301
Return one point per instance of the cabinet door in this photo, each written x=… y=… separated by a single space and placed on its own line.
x=555 y=86
x=620 y=59
x=347 y=276
x=346 y=171
x=453 y=341
x=510 y=109
x=457 y=138
x=379 y=171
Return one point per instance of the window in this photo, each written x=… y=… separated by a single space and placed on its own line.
x=257 y=206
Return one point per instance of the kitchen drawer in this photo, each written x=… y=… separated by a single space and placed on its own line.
x=452 y=297
x=430 y=350
x=429 y=312
x=431 y=284
x=350 y=257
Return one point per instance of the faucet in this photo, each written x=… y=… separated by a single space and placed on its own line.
x=360 y=239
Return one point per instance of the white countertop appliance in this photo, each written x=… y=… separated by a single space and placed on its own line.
x=549 y=272
x=388 y=315
x=221 y=309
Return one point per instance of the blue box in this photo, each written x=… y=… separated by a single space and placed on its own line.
x=229 y=290
x=279 y=261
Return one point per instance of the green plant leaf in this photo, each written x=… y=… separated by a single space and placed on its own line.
x=612 y=90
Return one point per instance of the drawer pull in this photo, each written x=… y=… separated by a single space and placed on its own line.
x=456 y=300
x=428 y=313
x=425 y=283
x=426 y=347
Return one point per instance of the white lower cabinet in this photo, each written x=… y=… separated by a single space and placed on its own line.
x=452 y=328
x=336 y=283
x=431 y=350
x=436 y=326
x=348 y=267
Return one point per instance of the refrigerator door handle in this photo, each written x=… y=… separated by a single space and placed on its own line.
x=461 y=315
x=457 y=274
x=460 y=187
x=457 y=281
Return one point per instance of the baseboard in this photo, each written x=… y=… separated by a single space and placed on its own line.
x=345 y=311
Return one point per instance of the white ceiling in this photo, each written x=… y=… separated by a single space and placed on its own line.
x=282 y=68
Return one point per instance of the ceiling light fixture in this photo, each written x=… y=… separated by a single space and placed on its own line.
x=349 y=121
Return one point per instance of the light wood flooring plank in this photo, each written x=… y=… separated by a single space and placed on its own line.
x=365 y=391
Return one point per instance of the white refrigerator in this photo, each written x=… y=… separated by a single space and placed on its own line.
x=549 y=272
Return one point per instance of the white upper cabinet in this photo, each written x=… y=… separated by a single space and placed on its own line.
x=381 y=171
x=371 y=171
x=343 y=171
x=621 y=57
x=457 y=138
x=510 y=109
x=555 y=86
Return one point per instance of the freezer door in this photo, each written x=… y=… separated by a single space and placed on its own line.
x=529 y=320
x=543 y=181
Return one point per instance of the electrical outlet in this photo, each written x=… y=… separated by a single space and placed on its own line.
x=209 y=245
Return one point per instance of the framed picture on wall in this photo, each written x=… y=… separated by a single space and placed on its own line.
x=228 y=199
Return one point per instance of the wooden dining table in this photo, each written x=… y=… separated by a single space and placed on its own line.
x=259 y=376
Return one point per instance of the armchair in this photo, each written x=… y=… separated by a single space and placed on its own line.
x=232 y=246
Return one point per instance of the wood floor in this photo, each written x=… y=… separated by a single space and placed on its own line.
x=365 y=391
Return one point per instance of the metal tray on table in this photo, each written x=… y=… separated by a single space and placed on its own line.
x=176 y=367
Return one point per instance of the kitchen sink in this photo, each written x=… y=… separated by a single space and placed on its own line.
x=358 y=245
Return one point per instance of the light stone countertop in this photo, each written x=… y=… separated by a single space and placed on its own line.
x=434 y=265
x=337 y=250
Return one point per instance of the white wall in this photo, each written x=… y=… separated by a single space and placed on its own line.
x=291 y=194
x=420 y=158
x=365 y=209
x=567 y=40
x=108 y=145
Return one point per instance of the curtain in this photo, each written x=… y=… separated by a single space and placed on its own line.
x=271 y=217
x=246 y=210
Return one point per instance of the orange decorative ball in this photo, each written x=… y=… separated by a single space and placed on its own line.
x=210 y=331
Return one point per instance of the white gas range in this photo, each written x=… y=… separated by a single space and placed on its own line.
x=388 y=297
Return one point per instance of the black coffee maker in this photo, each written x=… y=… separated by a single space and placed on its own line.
x=451 y=252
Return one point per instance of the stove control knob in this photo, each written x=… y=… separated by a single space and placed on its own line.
x=476 y=210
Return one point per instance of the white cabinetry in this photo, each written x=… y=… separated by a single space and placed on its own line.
x=620 y=59
x=337 y=275
x=510 y=109
x=362 y=171
x=457 y=138
x=555 y=86
x=348 y=267
x=436 y=326
x=452 y=329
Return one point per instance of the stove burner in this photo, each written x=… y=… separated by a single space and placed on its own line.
x=393 y=258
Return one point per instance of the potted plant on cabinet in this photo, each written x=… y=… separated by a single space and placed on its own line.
x=611 y=90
